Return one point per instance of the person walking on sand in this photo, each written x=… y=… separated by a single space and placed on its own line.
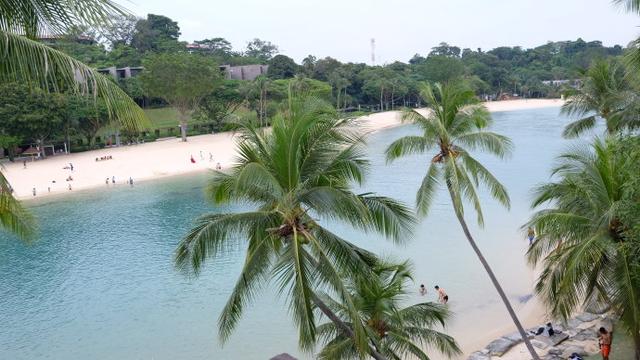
x=201 y=155
x=210 y=157
x=24 y=164
x=130 y=181
x=71 y=166
x=423 y=290
x=113 y=179
x=443 y=298
x=193 y=161
x=34 y=191
x=604 y=340
x=218 y=166
x=531 y=235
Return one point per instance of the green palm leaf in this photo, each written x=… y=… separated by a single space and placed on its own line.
x=13 y=216
x=25 y=60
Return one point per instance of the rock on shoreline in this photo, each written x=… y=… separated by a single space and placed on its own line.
x=578 y=335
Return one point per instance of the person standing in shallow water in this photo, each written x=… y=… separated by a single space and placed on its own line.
x=604 y=340
x=423 y=290
x=443 y=298
x=531 y=234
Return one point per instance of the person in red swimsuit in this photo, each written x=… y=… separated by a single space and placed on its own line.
x=604 y=339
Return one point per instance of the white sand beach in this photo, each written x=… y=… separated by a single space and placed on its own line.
x=165 y=158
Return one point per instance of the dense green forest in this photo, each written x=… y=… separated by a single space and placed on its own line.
x=545 y=71
x=503 y=70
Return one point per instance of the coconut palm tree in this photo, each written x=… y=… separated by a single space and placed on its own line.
x=606 y=93
x=454 y=124
x=581 y=241
x=398 y=332
x=24 y=59
x=13 y=217
x=629 y=5
x=296 y=175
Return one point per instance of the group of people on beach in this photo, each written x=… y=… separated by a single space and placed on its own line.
x=193 y=160
x=113 y=180
x=443 y=298
x=106 y=157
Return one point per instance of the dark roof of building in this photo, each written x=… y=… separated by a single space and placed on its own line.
x=283 y=356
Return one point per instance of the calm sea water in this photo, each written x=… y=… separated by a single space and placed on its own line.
x=100 y=283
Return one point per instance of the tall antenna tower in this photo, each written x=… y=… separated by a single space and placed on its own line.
x=373 y=51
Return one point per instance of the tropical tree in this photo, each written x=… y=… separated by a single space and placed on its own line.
x=454 y=124
x=182 y=80
x=297 y=174
x=605 y=93
x=256 y=92
x=14 y=217
x=398 y=332
x=23 y=59
x=581 y=243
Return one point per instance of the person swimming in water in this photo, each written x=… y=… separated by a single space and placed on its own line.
x=423 y=290
x=443 y=298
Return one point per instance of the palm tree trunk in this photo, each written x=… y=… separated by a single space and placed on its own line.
x=636 y=343
x=343 y=327
x=493 y=278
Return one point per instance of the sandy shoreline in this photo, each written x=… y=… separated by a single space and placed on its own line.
x=165 y=158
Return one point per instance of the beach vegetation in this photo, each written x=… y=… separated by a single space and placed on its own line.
x=297 y=177
x=183 y=80
x=607 y=92
x=588 y=243
x=398 y=331
x=454 y=125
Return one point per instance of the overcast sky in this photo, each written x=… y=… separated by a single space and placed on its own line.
x=343 y=28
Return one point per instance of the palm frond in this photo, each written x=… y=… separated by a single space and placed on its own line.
x=14 y=217
x=629 y=5
x=47 y=17
x=426 y=192
x=254 y=275
x=25 y=60
x=211 y=234
x=576 y=128
x=405 y=146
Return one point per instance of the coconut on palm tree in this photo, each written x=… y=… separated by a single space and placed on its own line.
x=296 y=175
x=454 y=125
x=581 y=240
x=398 y=332
x=606 y=93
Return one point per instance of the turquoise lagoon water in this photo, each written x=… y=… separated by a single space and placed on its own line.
x=100 y=283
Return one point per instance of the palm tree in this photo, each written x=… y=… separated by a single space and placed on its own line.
x=398 y=332
x=13 y=216
x=605 y=93
x=23 y=59
x=297 y=173
x=629 y=5
x=456 y=119
x=581 y=243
